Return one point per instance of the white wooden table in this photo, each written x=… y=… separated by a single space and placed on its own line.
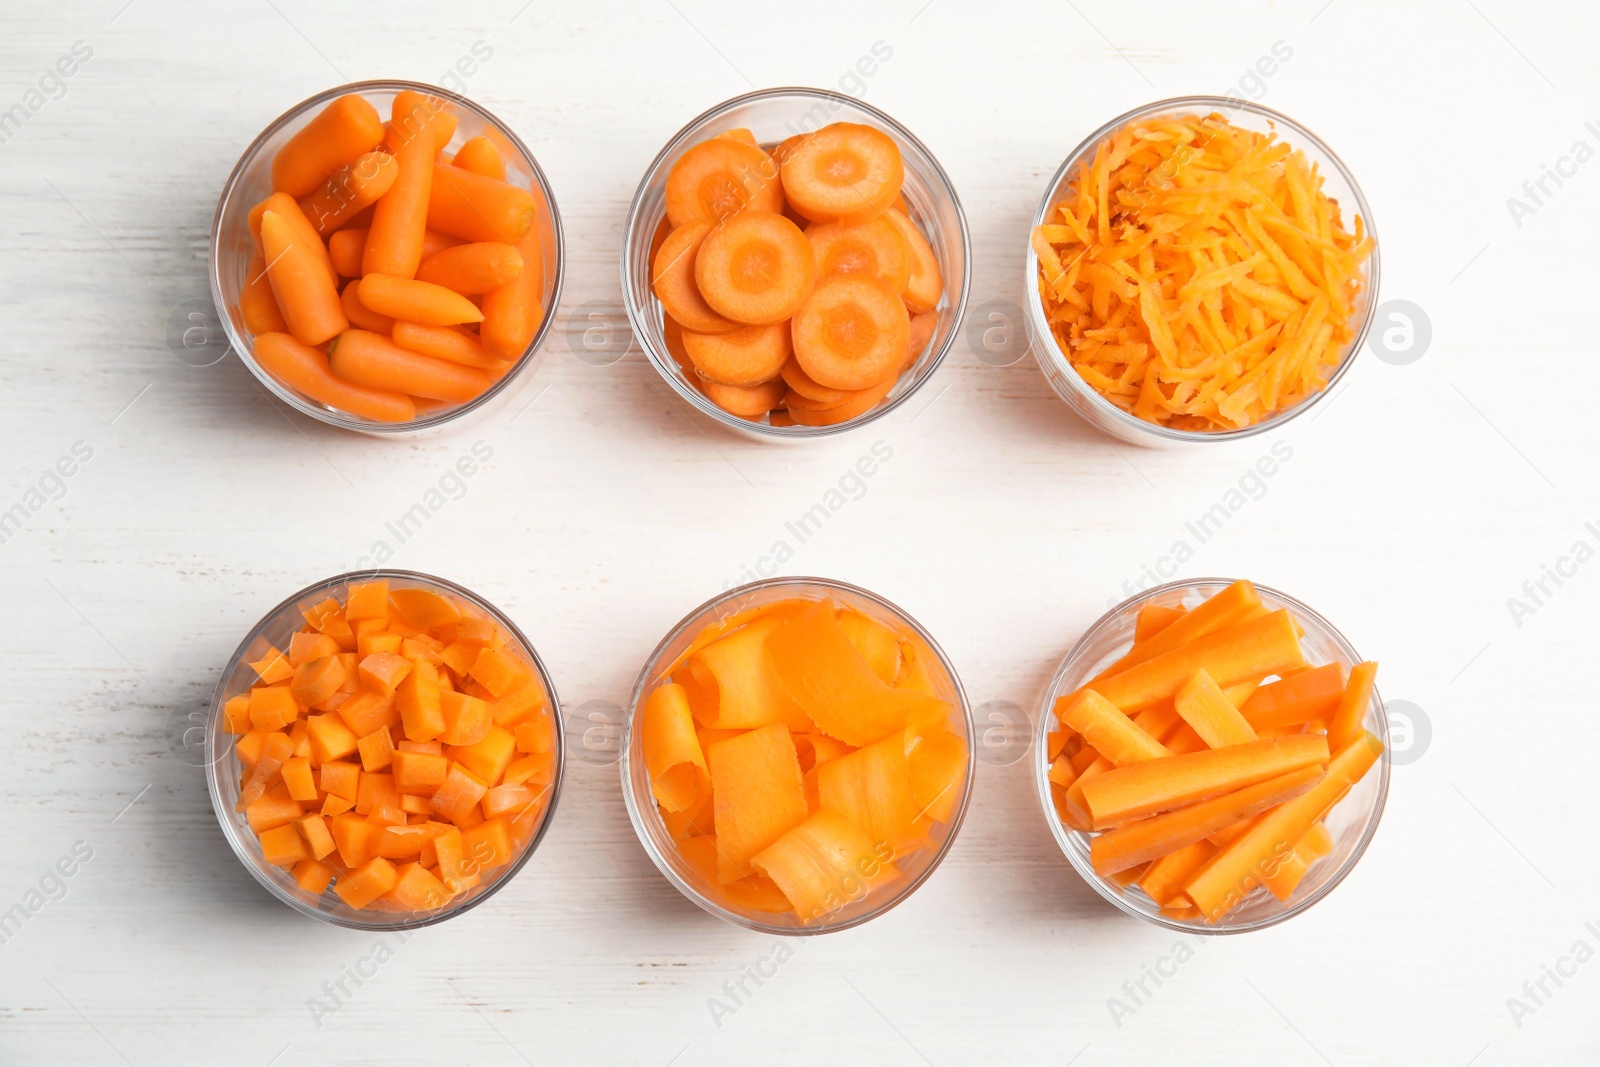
x=1420 y=499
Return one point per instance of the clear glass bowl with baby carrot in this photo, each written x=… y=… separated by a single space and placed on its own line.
x=386 y=257
x=795 y=263
x=797 y=757
x=385 y=750
x=1209 y=756
x=1199 y=269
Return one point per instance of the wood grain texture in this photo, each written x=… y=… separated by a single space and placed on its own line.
x=1414 y=505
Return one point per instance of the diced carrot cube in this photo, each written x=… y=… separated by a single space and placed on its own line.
x=319 y=839
x=488 y=844
x=273 y=808
x=520 y=705
x=498 y=672
x=274 y=751
x=479 y=632
x=466 y=718
x=316 y=681
x=488 y=758
x=427 y=748
x=376 y=790
x=457 y=797
x=313 y=876
x=248 y=748
x=459 y=656
x=419 y=772
x=352 y=835
x=387 y=815
x=415 y=804
x=272 y=707
x=418 y=890
x=450 y=849
x=367 y=600
x=380 y=641
x=537 y=735
x=382 y=671
x=297 y=777
x=330 y=737
x=537 y=769
x=364 y=627
x=333 y=804
x=236 y=714
x=418 y=699
x=329 y=619
x=400 y=841
x=425 y=609
x=300 y=734
x=367 y=712
x=340 y=778
x=272 y=667
x=367 y=883
x=508 y=800
x=282 y=846
x=421 y=648
x=306 y=646
x=376 y=749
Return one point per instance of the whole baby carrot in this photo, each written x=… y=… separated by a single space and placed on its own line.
x=445 y=342
x=474 y=268
x=306 y=370
x=512 y=313
x=414 y=112
x=375 y=362
x=361 y=316
x=480 y=156
x=414 y=301
x=341 y=131
x=345 y=248
x=257 y=305
x=477 y=208
x=300 y=282
x=394 y=242
x=349 y=190
x=289 y=210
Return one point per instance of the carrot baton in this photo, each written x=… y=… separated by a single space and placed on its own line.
x=1265 y=645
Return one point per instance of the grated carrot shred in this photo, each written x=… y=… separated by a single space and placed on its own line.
x=1197 y=275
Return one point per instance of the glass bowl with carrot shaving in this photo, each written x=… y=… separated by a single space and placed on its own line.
x=795 y=264
x=1202 y=268
x=1211 y=756
x=798 y=756
x=387 y=257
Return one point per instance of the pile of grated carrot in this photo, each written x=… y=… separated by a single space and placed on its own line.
x=1197 y=276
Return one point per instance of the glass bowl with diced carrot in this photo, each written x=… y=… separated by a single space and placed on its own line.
x=1199 y=269
x=386 y=257
x=1210 y=756
x=795 y=263
x=797 y=757
x=385 y=750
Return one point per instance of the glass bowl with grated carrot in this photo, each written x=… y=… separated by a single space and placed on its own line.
x=1210 y=756
x=386 y=257
x=1202 y=268
x=795 y=263
x=384 y=750
x=798 y=756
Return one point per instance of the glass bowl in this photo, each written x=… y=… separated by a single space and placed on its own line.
x=1352 y=822
x=250 y=183
x=648 y=824
x=1338 y=183
x=773 y=115
x=223 y=776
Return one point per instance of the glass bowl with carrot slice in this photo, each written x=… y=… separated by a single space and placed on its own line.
x=386 y=257
x=1199 y=269
x=1210 y=756
x=384 y=750
x=798 y=756
x=795 y=263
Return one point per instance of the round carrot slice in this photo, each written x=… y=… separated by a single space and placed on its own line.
x=755 y=267
x=721 y=177
x=672 y=280
x=926 y=284
x=843 y=171
x=747 y=402
x=852 y=333
x=750 y=356
x=858 y=404
x=873 y=247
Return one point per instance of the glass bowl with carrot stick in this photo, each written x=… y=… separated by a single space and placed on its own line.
x=797 y=756
x=1199 y=269
x=1210 y=756
x=795 y=263
x=384 y=750
x=386 y=257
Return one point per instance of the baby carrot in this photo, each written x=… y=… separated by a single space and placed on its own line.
x=414 y=301
x=346 y=246
x=446 y=342
x=394 y=243
x=480 y=156
x=477 y=208
x=341 y=131
x=414 y=112
x=512 y=314
x=286 y=208
x=350 y=189
x=256 y=303
x=300 y=283
x=305 y=369
x=375 y=362
x=359 y=314
x=475 y=268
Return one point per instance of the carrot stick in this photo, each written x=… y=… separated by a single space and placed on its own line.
x=1139 y=842
x=394 y=243
x=477 y=208
x=445 y=342
x=301 y=283
x=1151 y=786
x=367 y=359
x=512 y=313
x=1218 y=612
x=1204 y=706
x=1346 y=724
x=305 y=369
x=1316 y=843
x=1264 y=645
x=349 y=190
x=1111 y=733
x=1298 y=698
x=414 y=301
x=257 y=305
x=1153 y=618
x=480 y=156
x=338 y=134
x=1223 y=883
x=1164 y=878
x=474 y=268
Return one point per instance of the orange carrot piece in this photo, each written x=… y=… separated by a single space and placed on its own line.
x=478 y=208
x=368 y=360
x=1228 y=607
x=746 y=357
x=742 y=685
x=672 y=279
x=1268 y=644
x=512 y=314
x=472 y=269
x=400 y=217
x=301 y=283
x=349 y=190
x=367 y=883
x=677 y=767
x=756 y=267
x=1153 y=618
x=339 y=133
x=288 y=209
x=361 y=316
x=1347 y=722
x=874 y=248
x=1112 y=733
x=257 y=306
x=842 y=171
x=317 y=680
x=1206 y=708
x=416 y=115
x=416 y=301
x=852 y=333
x=1163 y=879
x=718 y=178
x=756 y=793
x=747 y=402
x=925 y=286
x=1150 y=786
x=481 y=156
x=446 y=342
x=824 y=863
x=872 y=787
x=306 y=370
x=1295 y=699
